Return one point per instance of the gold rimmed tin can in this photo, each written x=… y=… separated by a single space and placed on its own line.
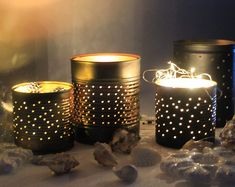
x=42 y=116
x=106 y=95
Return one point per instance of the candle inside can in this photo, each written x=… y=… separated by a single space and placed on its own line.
x=186 y=83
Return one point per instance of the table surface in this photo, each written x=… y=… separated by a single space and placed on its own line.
x=90 y=174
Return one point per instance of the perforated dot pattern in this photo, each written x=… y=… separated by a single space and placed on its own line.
x=107 y=103
x=42 y=121
x=184 y=115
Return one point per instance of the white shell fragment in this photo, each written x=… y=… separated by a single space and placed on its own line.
x=61 y=163
x=124 y=141
x=103 y=155
x=13 y=158
x=127 y=173
x=210 y=165
x=6 y=146
x=144 y=156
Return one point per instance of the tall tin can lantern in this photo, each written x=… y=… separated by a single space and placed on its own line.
x=185 y=106
x=216 y=58
x=42 y=114
x=106 y=95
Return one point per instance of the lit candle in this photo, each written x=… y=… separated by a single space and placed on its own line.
x=106 y=95
x=185 y=106
x=41 y=116
x=185 y=83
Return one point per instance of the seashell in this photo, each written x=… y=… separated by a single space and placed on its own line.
x=227 y=134
x=209 y=165
x=229 y=161
x=207 y=158
x=166 y=165
x=103 y=155
x=124 y=141
x=61 y=163
x=211 y=168
x=224 y=152
x=127 y=173
x=184 y=165
x=8 y=165
x=180 y=154
x=23 y=154
x=13 y=158
x=176 y=163
x=38 y=160
x=144 y=156
x=225 y=174
x=197 y=174
x=5 y=146
x=199 y=145
x=179 y=167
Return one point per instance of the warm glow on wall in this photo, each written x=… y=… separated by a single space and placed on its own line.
x=28 y=3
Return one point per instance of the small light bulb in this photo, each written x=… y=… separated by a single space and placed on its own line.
x=192 y=70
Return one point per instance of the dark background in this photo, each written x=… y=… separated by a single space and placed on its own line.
x=37 y=38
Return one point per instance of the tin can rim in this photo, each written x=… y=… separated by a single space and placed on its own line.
x=79 y=58
x=211 y=45
x=218 y=42
x=214 y=84
x=69 y=85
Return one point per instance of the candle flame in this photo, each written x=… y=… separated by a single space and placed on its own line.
x=41 y=87
x=105 y=57
x=185 y=83
x=192 y=70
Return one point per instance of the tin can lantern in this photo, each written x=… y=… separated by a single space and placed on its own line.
x=42 y=116
x=106 y=98
x=185 y=107
x=216 y=58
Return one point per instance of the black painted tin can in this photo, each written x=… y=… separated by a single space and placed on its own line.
x=183 y=114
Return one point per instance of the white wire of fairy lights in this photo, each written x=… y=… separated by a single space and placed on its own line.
x=174 y=72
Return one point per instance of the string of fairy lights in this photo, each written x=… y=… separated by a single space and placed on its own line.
x=174 y=72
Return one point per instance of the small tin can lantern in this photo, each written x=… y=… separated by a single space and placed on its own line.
x=185 y=107
x=42 y=116
x=216 y=58
x=106 y=98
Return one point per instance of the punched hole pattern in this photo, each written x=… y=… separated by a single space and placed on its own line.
x=42 y=120
x=106 y=103
x=185 y=117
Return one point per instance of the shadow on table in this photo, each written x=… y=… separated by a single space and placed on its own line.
x=69 y=177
